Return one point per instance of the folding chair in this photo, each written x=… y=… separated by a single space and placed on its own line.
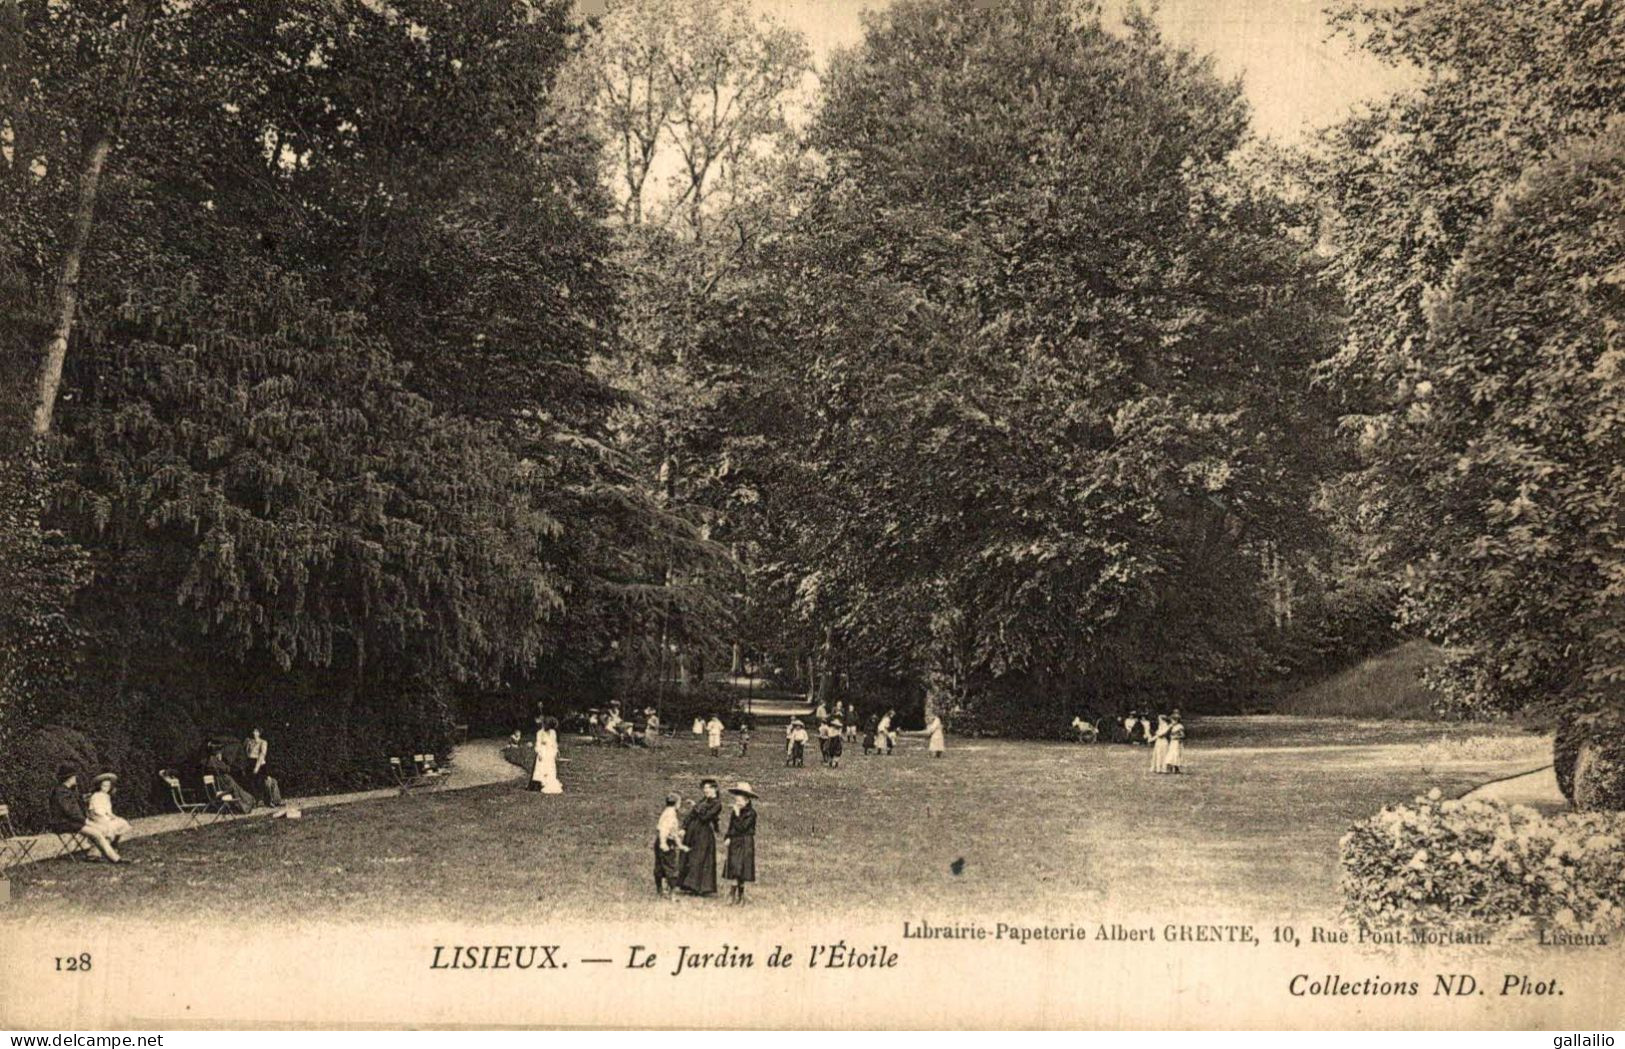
x=75 y=846
x=432 y=767
x=11 y=841
x=192 y=810
x=220 y=801
x=404 y=779
x=428 y=773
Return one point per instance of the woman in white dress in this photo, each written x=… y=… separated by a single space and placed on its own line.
x=1159 y=745
x=1175 y=757
x=934 y=738
x=100 y=808
x=544 y=775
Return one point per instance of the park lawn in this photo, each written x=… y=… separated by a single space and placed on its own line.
x=1044 y=830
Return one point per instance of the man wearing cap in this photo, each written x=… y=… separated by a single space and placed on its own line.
x=66 y=814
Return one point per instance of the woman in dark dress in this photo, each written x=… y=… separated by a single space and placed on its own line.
x=699 y=864
x=741 y=863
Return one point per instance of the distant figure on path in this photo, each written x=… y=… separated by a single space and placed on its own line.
x=1159 y=745
x=1176 y=744
x=699 y=864
x=544 y=774
x=65 y=814
x=101 y=809
x=741 y=863
x=713 y=735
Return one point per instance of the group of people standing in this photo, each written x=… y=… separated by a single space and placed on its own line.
x=685 y=847
x=1168 y=744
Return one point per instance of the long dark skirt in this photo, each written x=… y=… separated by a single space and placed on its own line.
x=741 y=865
x=699 y=863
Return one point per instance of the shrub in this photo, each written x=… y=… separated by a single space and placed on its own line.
x=1483 y=864
x=26 y=780
x=1599 y=774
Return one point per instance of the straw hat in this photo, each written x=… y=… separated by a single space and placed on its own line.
x=109 y=777
x=743 y=790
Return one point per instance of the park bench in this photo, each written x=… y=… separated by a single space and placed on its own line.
x=192 y=810
x=11 y=842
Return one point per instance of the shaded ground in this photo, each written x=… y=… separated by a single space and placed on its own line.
x=1386 y=685
x=1042 y=830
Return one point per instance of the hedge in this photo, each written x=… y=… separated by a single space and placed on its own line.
x=1441 y=863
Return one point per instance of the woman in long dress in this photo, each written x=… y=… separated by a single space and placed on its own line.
x=544 y=774
x=699 y=864
x=934 y=737
x=1176 y=744
x=1159 y=745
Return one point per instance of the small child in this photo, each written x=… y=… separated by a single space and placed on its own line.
x=870 y=731
x=744 y=738
x=740 y=866
x=790 y=741
x=668 y=844
x=835 y=746
x=713 y=736
x=823 y=742
x=798 y=745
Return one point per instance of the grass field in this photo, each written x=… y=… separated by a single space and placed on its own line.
x=1042 y=830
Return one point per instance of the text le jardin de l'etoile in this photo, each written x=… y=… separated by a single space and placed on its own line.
x=545 y=957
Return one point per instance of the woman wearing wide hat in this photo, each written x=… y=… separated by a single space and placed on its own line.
x=741 y=865
x=699 y=863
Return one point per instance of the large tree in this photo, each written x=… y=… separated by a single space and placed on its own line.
x=1409 y=185
x=1058 y=343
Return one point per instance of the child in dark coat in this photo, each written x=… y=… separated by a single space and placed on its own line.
x=740 y=867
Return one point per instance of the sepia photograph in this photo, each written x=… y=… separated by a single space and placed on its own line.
x=690 y=515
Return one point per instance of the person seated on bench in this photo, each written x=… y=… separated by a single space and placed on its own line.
x=102 y=817
x=66 y=814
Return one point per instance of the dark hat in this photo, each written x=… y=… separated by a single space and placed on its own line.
x=64 y=770
x=709 y=781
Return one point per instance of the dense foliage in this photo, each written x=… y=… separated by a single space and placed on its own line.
x=1484 y=867
x=1475 y=221
x=1051 y=342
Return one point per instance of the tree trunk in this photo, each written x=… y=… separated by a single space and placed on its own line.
x=67 y=283
x=737 y=666
x=98 y=144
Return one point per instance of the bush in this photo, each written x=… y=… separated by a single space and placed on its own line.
x=1599 y=774
x=27 y=780
x=1443 y=863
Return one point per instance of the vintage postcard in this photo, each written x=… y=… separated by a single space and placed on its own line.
x=812 y=514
